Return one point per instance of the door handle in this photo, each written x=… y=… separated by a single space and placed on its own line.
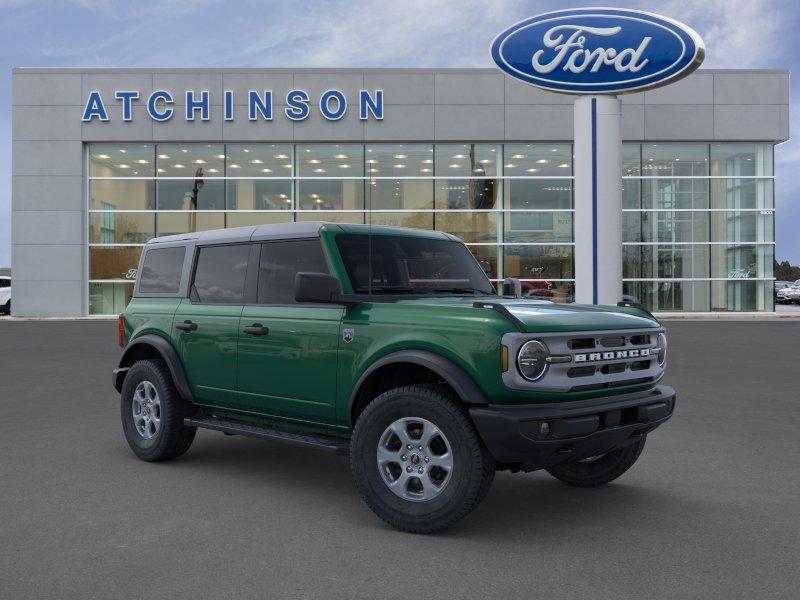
x=256 y=329
x=186 y=326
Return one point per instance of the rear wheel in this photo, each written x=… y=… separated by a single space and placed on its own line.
x=7 y=308
x=598 y=470
x=152 y=413
x=417 y=460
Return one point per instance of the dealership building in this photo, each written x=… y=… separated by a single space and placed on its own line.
x=105 y=159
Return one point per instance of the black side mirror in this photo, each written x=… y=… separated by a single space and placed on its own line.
x=320 y=288
x=316 y=287
x=512 y=287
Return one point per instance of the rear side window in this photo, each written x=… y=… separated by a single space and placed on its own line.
x=280 y=262
x=4 y=283
x=220 y=274
x=161 y=272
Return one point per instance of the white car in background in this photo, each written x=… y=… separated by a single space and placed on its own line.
x=5 y=294
x=789 y=294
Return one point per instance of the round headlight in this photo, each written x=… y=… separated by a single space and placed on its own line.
x=531 y=360
x=661 y=344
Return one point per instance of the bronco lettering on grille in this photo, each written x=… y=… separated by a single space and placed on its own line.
x=618 y=354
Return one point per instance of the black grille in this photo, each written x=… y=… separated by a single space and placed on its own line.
x=587 y=371
x=613 y=342
x=581 y=344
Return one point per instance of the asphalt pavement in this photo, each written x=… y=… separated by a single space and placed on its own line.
x=711 y=510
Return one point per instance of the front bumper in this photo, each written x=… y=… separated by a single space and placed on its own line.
x=539 y=436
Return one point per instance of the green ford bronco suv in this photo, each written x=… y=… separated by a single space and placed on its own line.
x=390 y=345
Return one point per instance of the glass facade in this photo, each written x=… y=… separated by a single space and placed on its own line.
x=698 y=218
x=698 y=226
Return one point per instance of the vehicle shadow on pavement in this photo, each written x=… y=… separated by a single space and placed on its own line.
x=518 y=504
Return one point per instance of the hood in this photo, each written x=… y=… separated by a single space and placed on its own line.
x=542 y=316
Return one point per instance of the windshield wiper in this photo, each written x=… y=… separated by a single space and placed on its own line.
x=390 y=289
x=464 y=290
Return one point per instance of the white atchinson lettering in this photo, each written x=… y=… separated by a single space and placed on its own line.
x=569 y=44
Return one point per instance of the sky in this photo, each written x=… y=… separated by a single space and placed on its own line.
x=405 y=33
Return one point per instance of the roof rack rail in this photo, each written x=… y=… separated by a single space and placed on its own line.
x=501 y=308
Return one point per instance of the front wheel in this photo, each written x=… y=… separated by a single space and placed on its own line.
x=598 y=470
x=418 y=461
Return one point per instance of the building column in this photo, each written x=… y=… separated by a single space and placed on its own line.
x=598 y=200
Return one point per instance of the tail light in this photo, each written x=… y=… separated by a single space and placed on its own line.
x=121 y=330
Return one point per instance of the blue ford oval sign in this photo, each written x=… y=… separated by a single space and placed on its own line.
x=598 y=50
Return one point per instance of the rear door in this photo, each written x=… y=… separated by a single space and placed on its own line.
x=207 y=323
x=288 y=360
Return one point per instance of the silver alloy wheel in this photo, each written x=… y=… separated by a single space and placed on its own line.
x=415 y=459
x=592 y=458
x=146 y=409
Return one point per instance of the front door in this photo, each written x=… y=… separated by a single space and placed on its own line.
x=207 y=323
x=288 y=351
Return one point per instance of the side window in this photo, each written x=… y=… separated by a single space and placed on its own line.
x=220 y=274
x=161 y=272
x=280 y=262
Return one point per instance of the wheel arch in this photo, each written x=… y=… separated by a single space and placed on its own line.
x=420 y=361
x=153 y=346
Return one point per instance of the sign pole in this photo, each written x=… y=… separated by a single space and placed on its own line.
x=598 y=200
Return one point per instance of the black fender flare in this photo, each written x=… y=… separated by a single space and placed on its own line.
x=167 y=352
x=455 y=376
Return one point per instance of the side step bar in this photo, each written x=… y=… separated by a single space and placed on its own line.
x=309 y=440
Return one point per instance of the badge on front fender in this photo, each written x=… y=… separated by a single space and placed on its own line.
x=348 y=335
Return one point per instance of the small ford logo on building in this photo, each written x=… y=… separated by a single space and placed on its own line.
x=598 y=50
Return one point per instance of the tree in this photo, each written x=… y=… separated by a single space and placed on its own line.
x=786 y=272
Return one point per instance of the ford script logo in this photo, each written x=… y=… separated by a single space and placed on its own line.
x=598 y=50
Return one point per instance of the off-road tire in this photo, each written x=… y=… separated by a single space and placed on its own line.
x=473 y=466
x=173 y=438
x=594 y=473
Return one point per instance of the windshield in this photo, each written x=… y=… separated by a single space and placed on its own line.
x=410 y=265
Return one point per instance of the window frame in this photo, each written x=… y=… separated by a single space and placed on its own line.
x=179 y=293
x=247 y=291
x=255 y=277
